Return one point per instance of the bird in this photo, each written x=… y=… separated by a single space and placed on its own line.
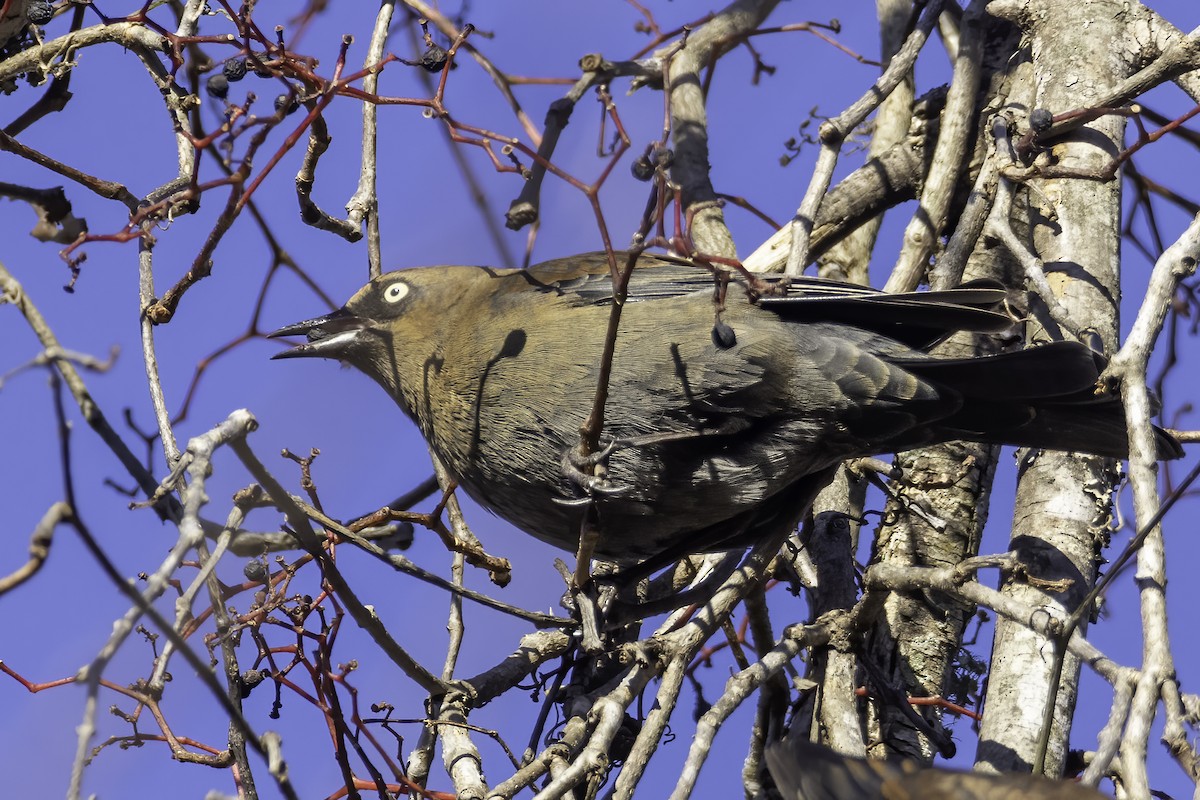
x=806 y=771
x=727 y=411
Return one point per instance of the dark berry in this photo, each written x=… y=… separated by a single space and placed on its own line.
x=217 y=86
x=260 y=68
x=723 y=335
x=642 y=169
x=234 y=69
x=255 y=571
x=39 y=12
x=286 y=103
x=434 y=58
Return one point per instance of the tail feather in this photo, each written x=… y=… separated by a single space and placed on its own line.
x=1096 y=427
x=1042 y=396
x=1049 y=370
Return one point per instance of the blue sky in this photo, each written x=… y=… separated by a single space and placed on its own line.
x=115 y=127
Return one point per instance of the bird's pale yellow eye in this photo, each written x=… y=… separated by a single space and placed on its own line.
x=395 y=292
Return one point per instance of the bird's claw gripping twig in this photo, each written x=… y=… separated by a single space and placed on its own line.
x=586 y=471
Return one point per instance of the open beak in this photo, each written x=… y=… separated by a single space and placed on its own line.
x=330 y=336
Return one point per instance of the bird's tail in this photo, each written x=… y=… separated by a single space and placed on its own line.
x=1093 y=427
x=1044 y=397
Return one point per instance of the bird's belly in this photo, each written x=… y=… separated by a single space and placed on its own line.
x=658 y=495
x=703 y=434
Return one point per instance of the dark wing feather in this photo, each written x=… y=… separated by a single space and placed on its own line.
x=586 y=277
x=917 y=319
x=1056 y=369
x=659 y=276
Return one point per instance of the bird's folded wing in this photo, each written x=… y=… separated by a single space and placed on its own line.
x=1056 y=369
x=918 y=319
x=588 y=279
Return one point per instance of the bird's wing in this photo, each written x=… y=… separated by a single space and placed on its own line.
x=587 y=279
x=1067 y=371
x=658 y=276
x=918 y=319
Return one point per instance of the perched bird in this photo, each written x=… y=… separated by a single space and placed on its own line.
x=805 y=771
x=721 y=427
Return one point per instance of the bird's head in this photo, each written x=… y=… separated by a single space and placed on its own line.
x=388 y=329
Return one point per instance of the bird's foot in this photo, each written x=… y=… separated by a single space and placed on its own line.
x=588 y=472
